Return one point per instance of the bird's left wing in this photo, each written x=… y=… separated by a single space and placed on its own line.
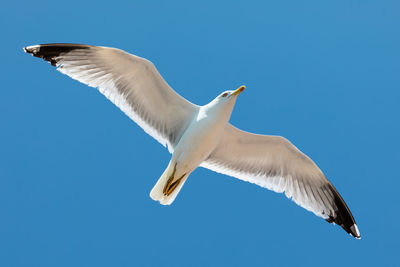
x=274 y=163
x=132 y=83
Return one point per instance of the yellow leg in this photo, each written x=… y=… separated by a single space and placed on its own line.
x=171 y=184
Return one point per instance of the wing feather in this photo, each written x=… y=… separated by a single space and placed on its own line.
x=130 y=82
x=274 y=163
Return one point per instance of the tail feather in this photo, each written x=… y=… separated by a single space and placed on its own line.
x=168 y=186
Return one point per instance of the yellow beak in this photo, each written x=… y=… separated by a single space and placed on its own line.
x=239 y=90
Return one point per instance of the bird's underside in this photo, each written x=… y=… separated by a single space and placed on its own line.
x=135 y=86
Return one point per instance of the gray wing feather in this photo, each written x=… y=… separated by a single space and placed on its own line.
x=130 y=82
x=274 y=163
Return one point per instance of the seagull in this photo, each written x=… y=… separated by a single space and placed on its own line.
x=198 y=135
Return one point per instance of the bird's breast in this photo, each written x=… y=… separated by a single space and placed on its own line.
x=198 y=141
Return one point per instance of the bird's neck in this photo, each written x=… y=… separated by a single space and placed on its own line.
x=216 y=112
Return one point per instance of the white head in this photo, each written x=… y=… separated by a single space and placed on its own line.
x=225 y=102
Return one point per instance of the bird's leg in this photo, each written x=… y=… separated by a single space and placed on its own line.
x=169 y=188
x=171 y=184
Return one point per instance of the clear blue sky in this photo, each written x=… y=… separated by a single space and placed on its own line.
x=75 y=172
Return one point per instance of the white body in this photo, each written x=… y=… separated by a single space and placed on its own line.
x=201 y=137
x=196 y=144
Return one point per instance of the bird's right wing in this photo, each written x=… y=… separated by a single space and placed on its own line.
x=130 y=82
x=274 y=163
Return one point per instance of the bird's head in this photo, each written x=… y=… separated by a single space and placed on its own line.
x=224 y=102
x=228 y=96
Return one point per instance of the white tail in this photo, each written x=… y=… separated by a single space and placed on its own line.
x=159 y=191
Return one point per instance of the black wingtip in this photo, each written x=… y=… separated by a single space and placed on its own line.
x=50 y=52
x=343 y=216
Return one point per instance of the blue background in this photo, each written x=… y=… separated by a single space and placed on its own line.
x=75 y=172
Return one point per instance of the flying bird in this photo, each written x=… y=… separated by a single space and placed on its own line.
x=198 y=135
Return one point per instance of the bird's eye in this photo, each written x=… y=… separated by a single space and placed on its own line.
x=224 y=94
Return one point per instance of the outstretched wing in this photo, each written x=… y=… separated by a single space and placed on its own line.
x=274 y=163
x=130 y=82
